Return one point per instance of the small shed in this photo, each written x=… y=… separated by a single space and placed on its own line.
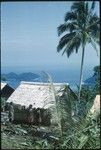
x=39 y=95
x=6 y=90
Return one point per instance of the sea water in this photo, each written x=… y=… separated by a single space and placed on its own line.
x=63 y=75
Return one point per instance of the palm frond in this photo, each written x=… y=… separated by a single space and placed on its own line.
x=72 y=45
x=78 y=6
x=77 y=43
x=70 y=16
x=81 y=9
x=54 y=108
x=64 y=40
x=86 y=9
x=93 y=5
x=62 y=28
x=94 y=20
x=67 y=27
x=94 y=45
x=69 y=50
x=93 y=29
x=91 y=9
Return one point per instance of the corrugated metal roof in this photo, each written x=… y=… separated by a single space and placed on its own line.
x=3 y=85
x=40 y=95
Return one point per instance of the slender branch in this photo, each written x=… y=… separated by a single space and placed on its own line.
x=93 y=43
x=92 y=24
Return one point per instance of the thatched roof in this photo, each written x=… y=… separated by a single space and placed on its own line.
x=38 y=94
x=3 y=85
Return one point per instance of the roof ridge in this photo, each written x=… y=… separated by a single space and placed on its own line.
x=42 y=83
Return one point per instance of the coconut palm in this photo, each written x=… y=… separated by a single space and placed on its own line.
x=82 y=27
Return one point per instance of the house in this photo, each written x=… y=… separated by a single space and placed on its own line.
x=6 y=90
x=39 y=95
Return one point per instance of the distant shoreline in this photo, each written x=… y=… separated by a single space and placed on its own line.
x=58 y=75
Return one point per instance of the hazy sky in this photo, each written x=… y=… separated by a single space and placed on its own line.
x=29 y=35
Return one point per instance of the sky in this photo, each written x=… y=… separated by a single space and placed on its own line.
x=29 y=36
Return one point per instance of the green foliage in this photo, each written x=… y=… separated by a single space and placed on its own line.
x=85 y=136
x=82 y=27
x=43 y=144
x=82 y=131
x=97 y=69
x=97 y=87
x=3 y=102
x=97 y=75
x=89 y=130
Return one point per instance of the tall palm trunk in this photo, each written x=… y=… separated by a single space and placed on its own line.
x=81 y=71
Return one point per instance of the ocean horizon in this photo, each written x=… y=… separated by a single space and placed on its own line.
x=58 y=75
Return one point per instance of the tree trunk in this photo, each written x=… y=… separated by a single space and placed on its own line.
x=81 y=72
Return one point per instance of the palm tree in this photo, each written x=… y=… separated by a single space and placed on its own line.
x=82 y=27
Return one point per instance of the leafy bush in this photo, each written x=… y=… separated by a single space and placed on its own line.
x=83 y=132
x=3 y=103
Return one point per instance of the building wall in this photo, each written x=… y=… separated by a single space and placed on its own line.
x=21 y=116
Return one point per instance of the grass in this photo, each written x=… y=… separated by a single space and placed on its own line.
x=10 y=140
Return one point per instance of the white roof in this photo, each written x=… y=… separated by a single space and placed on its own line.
x=36 y=93
x=3 y=85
